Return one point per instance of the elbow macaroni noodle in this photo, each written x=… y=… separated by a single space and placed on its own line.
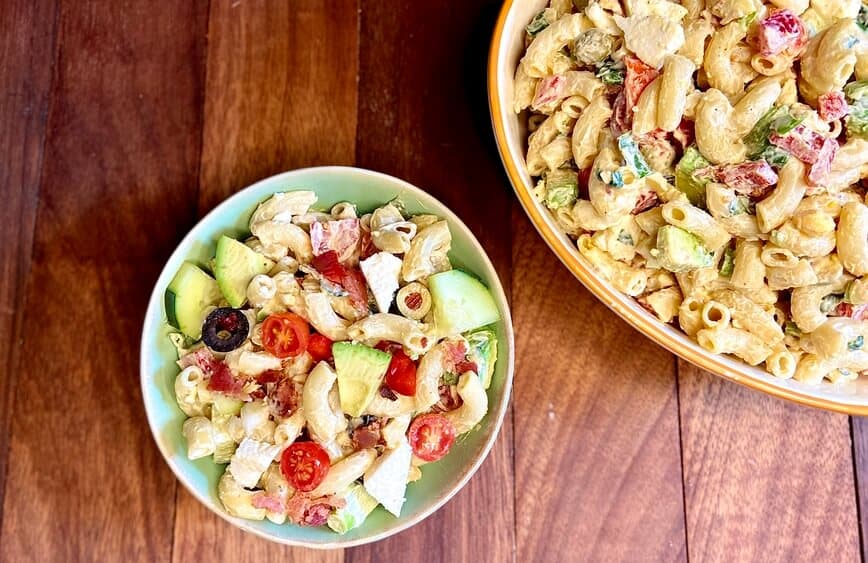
x=723 y=151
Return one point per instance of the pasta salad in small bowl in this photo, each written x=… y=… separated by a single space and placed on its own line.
x=327 y=357
x=701 y=167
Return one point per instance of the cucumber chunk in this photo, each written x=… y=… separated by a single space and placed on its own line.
x=234 y=266
x=188 y=297
x=461 y=302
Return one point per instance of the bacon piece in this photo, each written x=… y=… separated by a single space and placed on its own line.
x=268 y=502
x=801 y=142
x=639 y=76
x=340 y=236
x=387 y=393
x=750 y=178
x=832 y=106
x=549 y=91
x=684 y=134
x=781 y=31
x=220 y=379
x=202 y=358
x=857 y=312
x=270 y=376
x=366 y=244
x=449 y=399
x=647 y=200
x=223 y=381
x=455 y=350
x=284 y=397
x=823 y=166
x=351 y=279
x=622 y=118
x=307 y=511
x=464 y=366
x=316 y=515
x=367 y=435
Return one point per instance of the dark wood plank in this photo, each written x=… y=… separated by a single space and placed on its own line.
x=598 y=471
x=85 y=480
x=27 y=48
x=859 y=430
x=281 y=94
x=765 y=480
x=423 y=117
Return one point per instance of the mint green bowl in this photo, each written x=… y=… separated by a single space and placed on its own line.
x=441 y=480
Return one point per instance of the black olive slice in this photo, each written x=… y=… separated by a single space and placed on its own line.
x=225 y=329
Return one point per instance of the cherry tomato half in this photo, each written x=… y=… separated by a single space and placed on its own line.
x=319 y=347
x=401 y=374
x=305 y=465
x=431 y=436
x=285 y=335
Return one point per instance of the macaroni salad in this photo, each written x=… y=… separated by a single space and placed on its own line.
x=328 y=359
x=707 y=156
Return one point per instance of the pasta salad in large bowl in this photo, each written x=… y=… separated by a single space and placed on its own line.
x=327 y=357
x=700 y=166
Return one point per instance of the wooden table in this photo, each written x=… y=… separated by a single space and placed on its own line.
x=121 y=123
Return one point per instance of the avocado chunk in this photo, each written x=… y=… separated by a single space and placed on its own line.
x=685 y=181
x=234 y=266
x=482 y=351
x=360 y=371
x=680 y=251
x=460 y=302
x=190 y=293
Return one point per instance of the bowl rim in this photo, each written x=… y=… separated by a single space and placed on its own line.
x=601 y=289
x=498 y=293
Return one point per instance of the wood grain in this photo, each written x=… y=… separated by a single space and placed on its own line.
x=598 y=472
x=765 y=480
x=281 y=90
x=859 y=429
x=423 y=117
x=85 y=480
x=281 y=94
x=27 y=48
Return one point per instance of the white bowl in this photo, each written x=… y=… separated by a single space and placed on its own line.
x=332 y=184
x=510 y=131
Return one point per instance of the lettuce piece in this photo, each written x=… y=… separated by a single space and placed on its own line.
x=482 y=351
x=537 y=24
x=685 y=182
x=728 y=264
x=778 y=120
x=632 y=156
x=830 y=302
x=862 y=18
x=857 y=120
x=562 y=188
x=855 y=91
x=359 y=505
x=792 y=329
x=775 y=156
x=611 y=72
